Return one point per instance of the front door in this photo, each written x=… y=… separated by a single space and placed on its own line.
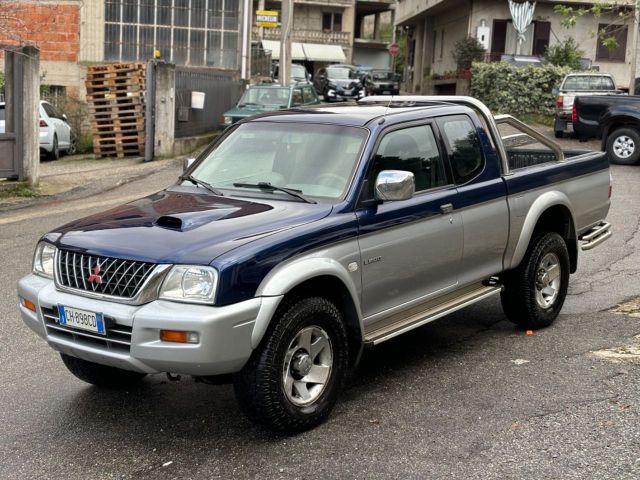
x=410 y=249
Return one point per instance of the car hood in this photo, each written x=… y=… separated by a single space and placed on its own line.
x=176 y=226
x=249 y=110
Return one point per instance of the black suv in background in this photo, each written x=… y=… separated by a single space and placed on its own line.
x=382 y=82
x=338 y=83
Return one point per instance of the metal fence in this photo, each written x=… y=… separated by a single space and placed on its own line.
x=222 y=90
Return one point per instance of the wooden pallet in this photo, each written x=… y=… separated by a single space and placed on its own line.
x=115 y=97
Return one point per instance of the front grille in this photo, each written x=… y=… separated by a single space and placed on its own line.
x=107 y=276
x=117 y=338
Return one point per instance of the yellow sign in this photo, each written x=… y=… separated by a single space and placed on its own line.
x=267 y=18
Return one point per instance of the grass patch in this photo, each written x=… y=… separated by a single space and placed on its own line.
x=538 y=119
x=11 y=190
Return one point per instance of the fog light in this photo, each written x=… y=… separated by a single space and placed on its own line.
x=28 y=304
x=331 y=93
x=179 y=336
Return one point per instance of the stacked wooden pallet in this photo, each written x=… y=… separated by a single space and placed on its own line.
x=115 y=94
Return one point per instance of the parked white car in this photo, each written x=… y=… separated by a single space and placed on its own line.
x=55 y=132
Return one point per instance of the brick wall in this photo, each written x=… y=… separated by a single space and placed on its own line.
x=54 y=27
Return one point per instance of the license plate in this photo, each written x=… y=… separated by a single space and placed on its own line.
x=81 y=319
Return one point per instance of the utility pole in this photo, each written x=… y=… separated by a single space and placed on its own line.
x=285 y=42
x=634 y=50
x=245 y=67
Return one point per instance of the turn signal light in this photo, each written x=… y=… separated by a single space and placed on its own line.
x=574 y=114
x=179 y=336
x=559 y=101
x=28 y=304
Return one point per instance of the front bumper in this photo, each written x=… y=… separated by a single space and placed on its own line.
x=225 y=333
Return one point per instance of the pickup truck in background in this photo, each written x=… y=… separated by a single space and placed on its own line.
x=582 y=84
x=300 y=237
x=615 y=120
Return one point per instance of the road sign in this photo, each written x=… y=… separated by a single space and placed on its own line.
x=394 y=49
x=267 y=18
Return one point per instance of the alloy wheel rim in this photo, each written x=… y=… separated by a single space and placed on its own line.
x=624 y=146
x=548 y=280
x=307 y=366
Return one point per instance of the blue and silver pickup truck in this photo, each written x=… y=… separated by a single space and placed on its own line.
x=300 y=237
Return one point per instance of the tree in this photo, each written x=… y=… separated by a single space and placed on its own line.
x=607 y=35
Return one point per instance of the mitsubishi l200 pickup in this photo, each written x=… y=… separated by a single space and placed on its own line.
x=300 y=237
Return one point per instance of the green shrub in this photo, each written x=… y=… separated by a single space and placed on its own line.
x=565 y=54
x=466 y=51
x=505 y=88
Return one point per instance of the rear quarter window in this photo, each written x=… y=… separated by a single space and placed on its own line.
x=463 y=146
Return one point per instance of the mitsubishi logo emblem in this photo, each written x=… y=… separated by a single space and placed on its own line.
x=95 y=276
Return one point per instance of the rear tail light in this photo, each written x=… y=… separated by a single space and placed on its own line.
x=559 y=102
x=43 y=123
x=574 y=114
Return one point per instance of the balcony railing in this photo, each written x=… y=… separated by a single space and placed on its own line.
x=307 y=36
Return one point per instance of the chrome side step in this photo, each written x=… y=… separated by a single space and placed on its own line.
x=595 y=236
x=422 y=314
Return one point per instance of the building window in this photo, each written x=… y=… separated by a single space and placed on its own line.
x=331 y=22
x=619 y=32
x=441 y=43
x=186 y=32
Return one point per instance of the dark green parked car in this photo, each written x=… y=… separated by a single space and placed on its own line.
x=271 y=97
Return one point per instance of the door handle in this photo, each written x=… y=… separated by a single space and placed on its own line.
x=446 y=208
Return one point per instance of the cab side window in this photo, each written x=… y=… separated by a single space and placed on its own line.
x=412 y=149
x=307 y=95
x=463 y=146
x=296 y=97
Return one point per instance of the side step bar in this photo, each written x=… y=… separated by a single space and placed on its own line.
x=595 y=236
x=417 y=316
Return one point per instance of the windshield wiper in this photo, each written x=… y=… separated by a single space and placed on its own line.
x=202 y=183
x=273 y=188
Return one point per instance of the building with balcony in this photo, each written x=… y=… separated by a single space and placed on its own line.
x=332 y=31
x=434 y=26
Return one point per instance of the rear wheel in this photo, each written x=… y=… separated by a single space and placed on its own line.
x=292 y=380
x=534 y=292
x=558 y=133
x=623 y=146
x=54 y=154
x=101 y=375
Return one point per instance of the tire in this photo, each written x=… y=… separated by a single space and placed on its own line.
x=270 y=390
x=101 y=375
x=54 y=154
x=558 y=133
x=623 y=146
x=524 y=299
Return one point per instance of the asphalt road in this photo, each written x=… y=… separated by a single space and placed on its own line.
x=468 y=396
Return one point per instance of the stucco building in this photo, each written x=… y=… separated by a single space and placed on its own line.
x=434 y=26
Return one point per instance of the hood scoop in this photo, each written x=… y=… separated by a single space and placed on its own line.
x=183 y=222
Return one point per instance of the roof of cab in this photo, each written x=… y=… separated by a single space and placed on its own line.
x=352 y=114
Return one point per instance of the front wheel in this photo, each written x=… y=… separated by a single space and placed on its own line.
x=292 y=380
x=534 y=292
x=101 y=375
x=623 y=146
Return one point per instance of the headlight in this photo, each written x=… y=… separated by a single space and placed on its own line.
x=228 y=120
x=43 y=260
x=190 y=283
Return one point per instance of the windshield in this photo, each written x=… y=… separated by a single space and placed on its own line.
x=588 y=82
x=317 y=160
x=269 y=96
x=382 y=75
x=341 y=73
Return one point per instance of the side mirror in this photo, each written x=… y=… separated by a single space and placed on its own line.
x=64 y=117
x=555 y=91
x=395 y=185
x=186 y=163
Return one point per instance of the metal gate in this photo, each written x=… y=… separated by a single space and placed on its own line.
x=222 y=90
x=10 y=115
